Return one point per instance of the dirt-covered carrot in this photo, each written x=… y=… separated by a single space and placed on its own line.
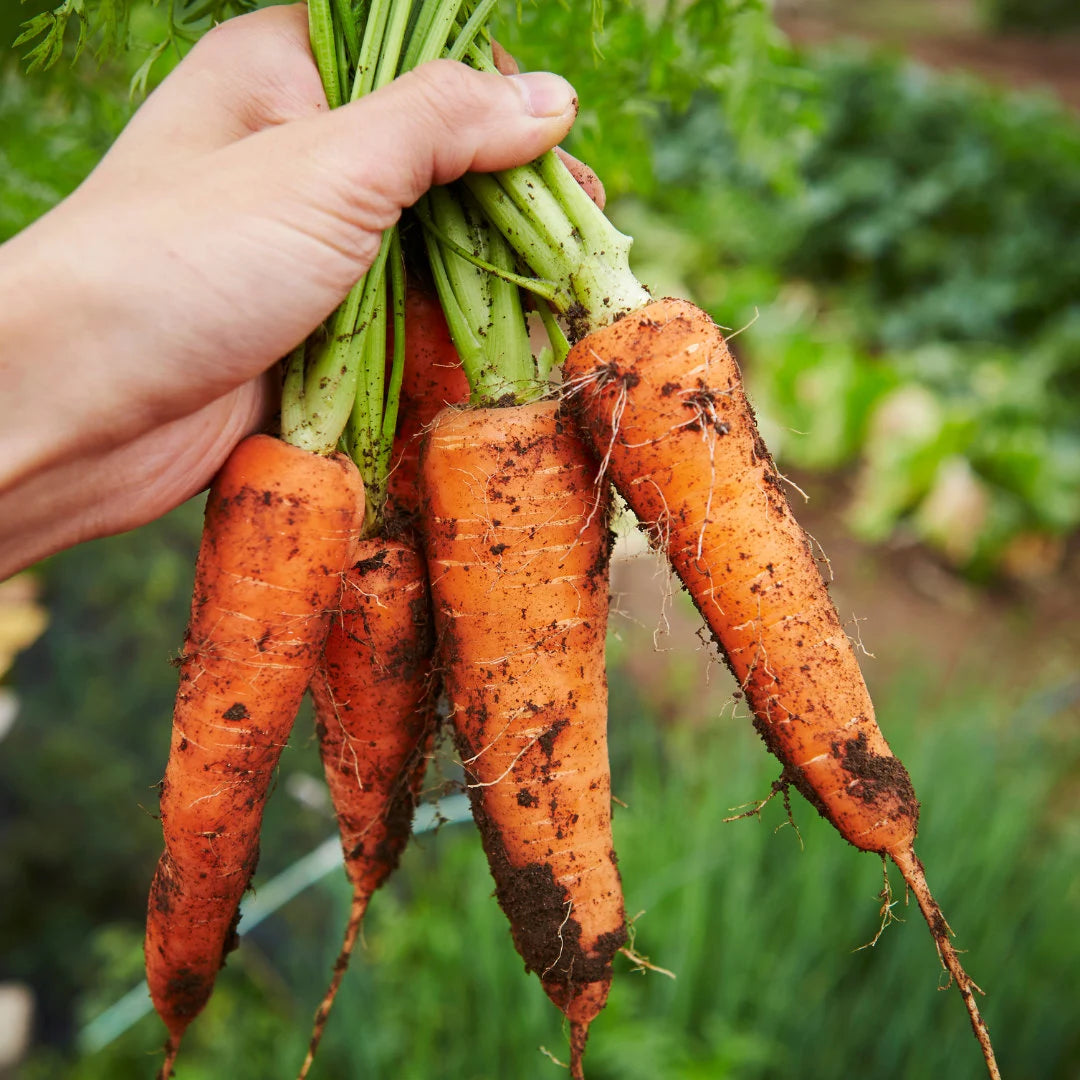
x=281 y=527
x=375 y=718
x=660 y=397
x=517 y=541
x=518 y=553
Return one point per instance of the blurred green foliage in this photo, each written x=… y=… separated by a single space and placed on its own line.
x=51 y=139
x=49 y=31
x=927 y=256
x=654 y=60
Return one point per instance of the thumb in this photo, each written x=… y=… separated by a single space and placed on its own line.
x=361 y=164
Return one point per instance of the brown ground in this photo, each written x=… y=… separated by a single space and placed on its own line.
x=943 y=34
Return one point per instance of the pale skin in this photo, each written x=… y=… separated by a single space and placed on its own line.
x=141 y=318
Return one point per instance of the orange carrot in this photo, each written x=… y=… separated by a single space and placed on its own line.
x=281 y=527
x=517 y=553
x=433 y=378
x=375 y=717
x=661 y=400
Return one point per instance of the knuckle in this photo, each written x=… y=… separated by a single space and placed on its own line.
x=452 y=93
x=218 y=40
x=262 y=66
x=260 y=37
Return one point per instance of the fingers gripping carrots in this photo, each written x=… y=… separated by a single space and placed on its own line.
x=281 y=526
x=375 y=718
x=517 y=553
x=661 y=399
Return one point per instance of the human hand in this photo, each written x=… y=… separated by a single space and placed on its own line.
x=138 y=318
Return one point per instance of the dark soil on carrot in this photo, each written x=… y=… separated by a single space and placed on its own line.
x=879 y=777
x=548 y=940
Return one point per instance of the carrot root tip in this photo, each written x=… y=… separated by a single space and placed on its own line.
x=912 y=870
x=579 y=1034
x=172 y=1048
x=322 y=1013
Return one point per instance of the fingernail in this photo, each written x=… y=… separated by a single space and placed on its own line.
x=545 y=94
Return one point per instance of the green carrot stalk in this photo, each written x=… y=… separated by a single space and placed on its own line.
x=346 y=19
x=564 y=237
x=397 y=369
x=560 y=234
x=369 y=434
x=432 y=32
x=482 y=309
x=321 y=30
x=466 y=37
x=371 y=49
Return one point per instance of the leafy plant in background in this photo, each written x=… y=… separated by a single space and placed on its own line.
x=104 y=26
x=939 y=276
x=50 y=142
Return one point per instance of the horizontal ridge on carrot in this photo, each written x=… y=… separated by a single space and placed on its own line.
x=281 y=526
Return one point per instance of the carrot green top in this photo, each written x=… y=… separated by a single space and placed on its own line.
x=339 y=391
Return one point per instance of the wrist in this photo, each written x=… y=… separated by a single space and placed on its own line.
x=38 y=382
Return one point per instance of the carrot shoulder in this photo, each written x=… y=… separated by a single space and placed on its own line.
x=375 y=718
x=281 y=526
x=660 y=398
x=517 y=553
x=433 y=378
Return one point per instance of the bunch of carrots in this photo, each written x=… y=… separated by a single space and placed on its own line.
x=433 y=524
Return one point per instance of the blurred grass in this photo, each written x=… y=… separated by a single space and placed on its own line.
x=759 y=932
